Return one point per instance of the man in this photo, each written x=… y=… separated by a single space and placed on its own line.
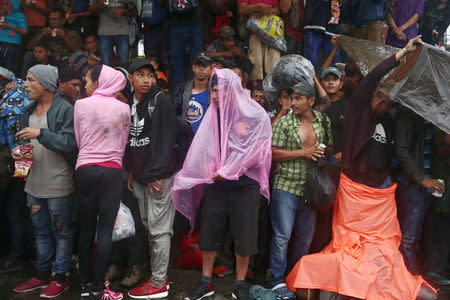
x=192 y=97
x=366 y=233
x=434 y=22
x=70 y=81
x=151 y=163
x=237 y=172
x=261 y=55
x=226 y=47
x=294 y=145
x=48 y=125
x=331 y=81
x=41 y=56
x=91 y=49
x=61 y=41
x=259 y=96
x=413 y=147
x=113 y=28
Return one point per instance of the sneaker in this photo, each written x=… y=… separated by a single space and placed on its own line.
x=32 y=284
x=85 y=288
x=133 y=276
x=240 y=293
x=54 y=289
x=106 y=294
x=113 y=273
x=200 y=291
x=222 y=271
x=282 y=292
x=148 y=291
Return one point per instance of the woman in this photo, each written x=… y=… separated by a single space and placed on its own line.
x=101 y=128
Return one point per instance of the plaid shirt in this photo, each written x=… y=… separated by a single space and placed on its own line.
x=290 y=175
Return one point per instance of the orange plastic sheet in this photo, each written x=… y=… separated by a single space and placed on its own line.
x=363 y=259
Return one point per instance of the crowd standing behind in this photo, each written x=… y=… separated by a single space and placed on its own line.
x=160 y=104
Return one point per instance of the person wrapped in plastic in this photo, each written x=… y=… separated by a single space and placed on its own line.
x=363 y=259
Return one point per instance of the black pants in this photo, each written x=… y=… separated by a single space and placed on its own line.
x=100 y=191
x=134 y=250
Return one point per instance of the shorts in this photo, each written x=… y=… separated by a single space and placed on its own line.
x=237 y=207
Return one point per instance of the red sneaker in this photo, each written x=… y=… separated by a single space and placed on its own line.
x=32 y=284
x=110 y=295
x=54 y=289
x=148 y=291
x=222 y=271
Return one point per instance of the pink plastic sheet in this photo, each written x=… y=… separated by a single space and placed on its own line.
x=244 y=147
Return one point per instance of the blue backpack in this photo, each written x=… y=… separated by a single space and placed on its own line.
x=153 y=12
x=182 y=6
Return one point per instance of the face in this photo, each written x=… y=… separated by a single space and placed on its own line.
x=71 y=89
x=217 y=65
x=55 y=20
x=380 y=104
x=41 y=54
x=215 y=94
x=331 y=84
x=229 y=43
x=201 y=72
x=260 y=97
x=33 y=87
x=142 y=80
x=285 y=99
x=90 y=86
x=301 y=104
x=90 y=44
x=238 y=72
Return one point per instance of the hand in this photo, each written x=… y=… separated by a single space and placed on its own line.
x=399 y=34
x=434 y=32
x=218 y=177
x=228 y=53
x=334 y=40
x=28 y=133
x=60 y=33
x=71 y=18
x=433 y=185
x=235 y=51
x=154 y=187
x=413 y=43
x=313 y=153
x=229 y=14
x=130 y=182
x=47 y=31
x=15 y=153
x=117 y=14
x=338 y=157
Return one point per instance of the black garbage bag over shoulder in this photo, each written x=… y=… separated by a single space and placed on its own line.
x=286 y=72
x=367 y=54
x=426 y=87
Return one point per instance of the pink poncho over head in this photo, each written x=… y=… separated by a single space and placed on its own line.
x=244 y=146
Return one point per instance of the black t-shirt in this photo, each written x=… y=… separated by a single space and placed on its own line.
x=336 y=115
x=191 y=18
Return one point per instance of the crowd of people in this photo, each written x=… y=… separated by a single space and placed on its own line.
x=159 y=105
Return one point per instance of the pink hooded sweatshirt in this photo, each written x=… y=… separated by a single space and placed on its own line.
x=102 y=122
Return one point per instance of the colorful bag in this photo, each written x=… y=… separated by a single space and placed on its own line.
x=270 y=29
x=182 y=6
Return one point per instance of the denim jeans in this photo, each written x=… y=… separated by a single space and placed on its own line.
x=293 y=47
x=412 y=203
x=106 y=44
x=180 y=36
x=52 y=226
x=313 y=43
x=291 y=220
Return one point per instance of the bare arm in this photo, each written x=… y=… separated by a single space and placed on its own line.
x=280 y=154
x=284 y=6
x=16 y=29
x=329 y=61
x=411 y=21
x=95 y=9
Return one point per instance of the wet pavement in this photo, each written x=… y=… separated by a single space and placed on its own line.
x=180 y=283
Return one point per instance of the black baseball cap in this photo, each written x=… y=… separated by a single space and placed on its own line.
x=202 y=59
x=140 y=63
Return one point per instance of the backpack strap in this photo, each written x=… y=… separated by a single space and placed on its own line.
x=150 y=107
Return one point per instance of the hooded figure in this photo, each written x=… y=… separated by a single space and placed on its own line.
x=234 y=139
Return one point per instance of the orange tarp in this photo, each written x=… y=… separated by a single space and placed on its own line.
x=363 y=259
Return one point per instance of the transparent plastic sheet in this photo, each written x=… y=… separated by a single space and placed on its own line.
x=286 y=72
x=423 y=79
x=367 y=54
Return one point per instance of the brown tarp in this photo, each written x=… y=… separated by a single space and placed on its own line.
x=423 y=77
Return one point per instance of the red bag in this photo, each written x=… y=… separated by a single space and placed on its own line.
x=187 y=254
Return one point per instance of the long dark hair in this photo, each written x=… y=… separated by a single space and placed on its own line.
x=95 y=72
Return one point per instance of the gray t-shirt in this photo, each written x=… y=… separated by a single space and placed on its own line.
x=50 y=176
x=107 y=24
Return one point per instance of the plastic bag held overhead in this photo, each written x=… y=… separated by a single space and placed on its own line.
x=270 y=29
x=286 y=72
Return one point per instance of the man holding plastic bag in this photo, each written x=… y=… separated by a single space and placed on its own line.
x=363 y=259
x=261 y=54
